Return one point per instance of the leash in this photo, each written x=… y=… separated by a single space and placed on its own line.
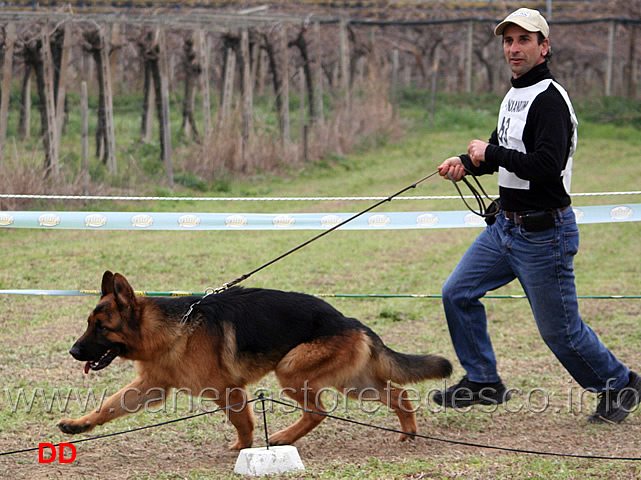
x=488 y=212
x=225 y=286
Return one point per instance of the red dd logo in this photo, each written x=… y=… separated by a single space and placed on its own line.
x=61 y=452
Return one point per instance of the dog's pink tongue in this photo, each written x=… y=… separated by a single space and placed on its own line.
x=86 y=368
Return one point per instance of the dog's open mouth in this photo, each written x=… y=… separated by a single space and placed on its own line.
x=103 y=361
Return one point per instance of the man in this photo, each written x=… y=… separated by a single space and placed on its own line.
x=534 y=237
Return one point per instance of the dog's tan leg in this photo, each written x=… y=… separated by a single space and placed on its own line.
x=239 y=414
x=309 y=368
x=133 y=398
x=396 y=399
x=307 y=399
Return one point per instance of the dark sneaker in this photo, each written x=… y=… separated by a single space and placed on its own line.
x=467 y=393
x=615 y=405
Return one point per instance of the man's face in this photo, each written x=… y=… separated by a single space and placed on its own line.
x=522 y=49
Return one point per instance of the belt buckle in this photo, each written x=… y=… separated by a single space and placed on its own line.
x=512 y=216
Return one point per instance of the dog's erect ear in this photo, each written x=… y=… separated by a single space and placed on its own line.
x=107 y=283
x=124 y=294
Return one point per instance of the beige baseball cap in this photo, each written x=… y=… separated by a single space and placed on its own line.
x=530 y=20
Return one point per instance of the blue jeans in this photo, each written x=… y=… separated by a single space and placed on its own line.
x=543 y=263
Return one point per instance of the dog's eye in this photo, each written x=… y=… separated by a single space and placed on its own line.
x=101 y=328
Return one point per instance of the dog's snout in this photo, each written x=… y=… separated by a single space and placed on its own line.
x=76 y=352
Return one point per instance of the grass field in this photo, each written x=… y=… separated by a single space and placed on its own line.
x=548 y=415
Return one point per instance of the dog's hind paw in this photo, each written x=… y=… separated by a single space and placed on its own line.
x=280 y=438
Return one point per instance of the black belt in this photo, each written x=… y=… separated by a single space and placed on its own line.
x=535 y=221
x=517 y=216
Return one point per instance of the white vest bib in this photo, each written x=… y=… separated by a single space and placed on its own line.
x=512 y=119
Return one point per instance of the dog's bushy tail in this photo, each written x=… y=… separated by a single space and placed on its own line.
x=402 y=368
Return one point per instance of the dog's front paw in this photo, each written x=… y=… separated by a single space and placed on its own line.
x=239 y=445
x=72 y=427
x=404 y=437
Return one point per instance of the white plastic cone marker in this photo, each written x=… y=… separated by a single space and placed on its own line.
x=266 y=461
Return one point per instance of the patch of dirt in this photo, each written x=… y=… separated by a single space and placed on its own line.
x=333 y=443
x=196 y=448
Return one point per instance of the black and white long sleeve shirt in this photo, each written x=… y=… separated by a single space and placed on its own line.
x=533 y=144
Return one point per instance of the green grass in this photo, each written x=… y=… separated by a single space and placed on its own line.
x=36 y=332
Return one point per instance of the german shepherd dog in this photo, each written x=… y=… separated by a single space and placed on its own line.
x=235 y=338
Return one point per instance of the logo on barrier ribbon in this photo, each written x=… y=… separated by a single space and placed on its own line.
x=5 y=219
x=189 y=221
x=236 y=221
x=379 y=220
x=95 y=220
x=621 y=213
x=473 y=219
x=329 y=221
x=142 y=221
x=283 y=221
x=427 y=220
x=578 y=214
x=48 y=220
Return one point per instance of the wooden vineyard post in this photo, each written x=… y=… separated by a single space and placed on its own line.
x=51 y=143
x=110 y=134
x=247 y=97
x=24 y=124
x=203 y=54
x=149 y=101
x=434 y=86
x=256 y=57
x=7 y=69
x=261 y=70
x=395 y=61
x=303 y=119
x=318 y=97
x=284 y=93
x=344 y=60
x=633 y=68
x=192 y=70
x=113 y=51
x=228 y=83
x=84 y=107
x=610 y=58
x=62 y=83
x=164 y=110
x=468 y=56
